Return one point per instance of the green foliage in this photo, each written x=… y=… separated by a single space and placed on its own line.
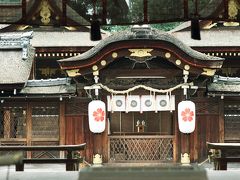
x=115 y=28
x=10 y=2
x=166 y=26
x=162 y=26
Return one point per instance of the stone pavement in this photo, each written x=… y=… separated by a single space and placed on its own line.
x=58 y=172
x=38 y=172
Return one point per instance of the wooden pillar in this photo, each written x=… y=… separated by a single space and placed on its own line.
x=221 y=121
x=176 y=143
x=185 y=8
x=178 y=135
x=97 y=143
x=62 y=129
x=29 y=128
x=64 y=13
x=24 y=10
x=7 y=124
x=195 y=142
x=186 y=147
x=105 y=143
x=89 y=140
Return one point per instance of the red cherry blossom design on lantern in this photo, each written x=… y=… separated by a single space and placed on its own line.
x=187 y=115
x=98 y=115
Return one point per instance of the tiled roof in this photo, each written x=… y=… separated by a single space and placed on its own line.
x=63 y=39
x=149 y=34
x=215 y=37
x=224 y=84
x=59 y=89
x=49 y=86
x=16 y=57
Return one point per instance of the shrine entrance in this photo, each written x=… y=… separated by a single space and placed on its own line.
x=141 y=137
x=132 y=64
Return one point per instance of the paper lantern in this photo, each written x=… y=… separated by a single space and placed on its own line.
x=186 y=116
x=97 y=116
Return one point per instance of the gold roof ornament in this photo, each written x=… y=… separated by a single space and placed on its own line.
x=45 y=12
x=73 y=72
x=208 y=72
x=233 y=7
x=140 y=52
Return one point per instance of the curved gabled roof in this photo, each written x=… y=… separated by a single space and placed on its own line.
x=141 y=43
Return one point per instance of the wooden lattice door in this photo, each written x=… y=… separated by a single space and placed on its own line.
x=12 y=126
x=232 y=122
x=45 y=128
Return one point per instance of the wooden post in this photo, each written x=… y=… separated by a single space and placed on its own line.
x=62 y=131
x=195 y=142
x=185 y=2
x=105 y=142
x=176 y=140
x=7 y=124
x=178 y=137
x=89 y=140
x=24 y=10
x=97 y=142
x=221 y=121
x=29 y=128
x=19 y=166
x=64 y=13
x=69 y=164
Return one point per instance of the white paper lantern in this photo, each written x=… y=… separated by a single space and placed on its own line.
x=186 y=116
x=97 y=116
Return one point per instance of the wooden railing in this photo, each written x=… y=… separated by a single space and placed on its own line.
x=223 y=153
x=143 y=148
x=70 y=161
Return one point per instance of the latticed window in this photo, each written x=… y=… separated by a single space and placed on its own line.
x=232 y=122
x=45 y=122
x=12 y=122
x=141 y=148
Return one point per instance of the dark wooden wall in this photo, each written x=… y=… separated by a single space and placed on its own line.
x=209 y=128
x=76 y=125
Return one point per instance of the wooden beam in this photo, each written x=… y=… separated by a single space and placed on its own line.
x=113 y=73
